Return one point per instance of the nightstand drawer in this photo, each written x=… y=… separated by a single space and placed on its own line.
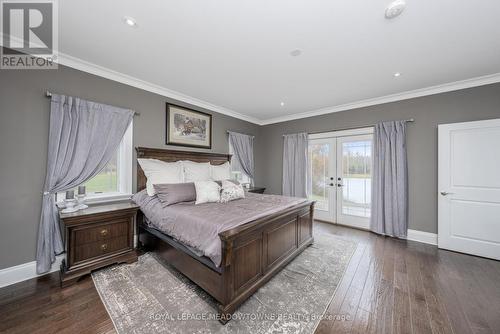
x=100 y=248
x=96 y=237
x=106 y=231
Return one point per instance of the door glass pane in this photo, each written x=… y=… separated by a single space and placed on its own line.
x=318 y=157
x=356 y=177
x=106 y=181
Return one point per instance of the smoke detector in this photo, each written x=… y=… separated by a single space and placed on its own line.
x=394 y=9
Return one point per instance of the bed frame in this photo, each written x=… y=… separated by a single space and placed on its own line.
x=251 y=253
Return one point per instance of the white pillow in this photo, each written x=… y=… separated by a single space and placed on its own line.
x=196 y=171
x=231 y=191
x=207 y=192
x=158 y=172
x=221 y=172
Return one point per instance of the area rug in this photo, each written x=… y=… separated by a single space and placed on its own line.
x=151 y=297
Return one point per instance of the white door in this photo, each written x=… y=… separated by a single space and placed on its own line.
x=469 y=188
x=354 y=180
x=322 y=160
x=340 y=173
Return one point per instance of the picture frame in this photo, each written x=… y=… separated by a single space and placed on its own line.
x=188 y=127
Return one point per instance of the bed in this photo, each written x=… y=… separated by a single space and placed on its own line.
x=250 y=254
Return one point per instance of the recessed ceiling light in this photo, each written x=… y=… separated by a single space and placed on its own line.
x=282 y=104
x=394 y=9
x=397 y=74
x=130 y=21
x=295 y=53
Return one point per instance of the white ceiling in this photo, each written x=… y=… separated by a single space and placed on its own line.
x=235 y=55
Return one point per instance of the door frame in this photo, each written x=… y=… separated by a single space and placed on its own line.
x=332 y=136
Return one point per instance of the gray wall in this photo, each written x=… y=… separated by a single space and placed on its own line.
x=459 y=106
x=24 y=125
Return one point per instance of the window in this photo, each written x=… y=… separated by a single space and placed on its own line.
x=114 y=182
x=236 y=170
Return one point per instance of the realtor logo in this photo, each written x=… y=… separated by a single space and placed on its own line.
x=29 y=34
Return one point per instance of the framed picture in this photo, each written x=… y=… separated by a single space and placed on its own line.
x=186 y=127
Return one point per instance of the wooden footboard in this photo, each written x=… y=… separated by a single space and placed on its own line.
x=253 y=253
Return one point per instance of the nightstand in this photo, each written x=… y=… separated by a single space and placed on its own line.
x=256 y=190
x=96 y=237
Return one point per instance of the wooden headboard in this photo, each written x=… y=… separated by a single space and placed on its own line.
x=173 y=156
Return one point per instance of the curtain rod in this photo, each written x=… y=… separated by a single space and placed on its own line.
x=409 y=120
x=49 y=94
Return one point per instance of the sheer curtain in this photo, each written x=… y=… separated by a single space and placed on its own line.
x=83 y=136
x=295 y=165
x=243 y=152
x=389 y=213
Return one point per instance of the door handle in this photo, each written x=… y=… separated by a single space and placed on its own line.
x=331 y=184
x=444 y=193
x=339 y=185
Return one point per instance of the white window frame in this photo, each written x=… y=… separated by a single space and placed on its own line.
x=245 y=178
x=124 y=174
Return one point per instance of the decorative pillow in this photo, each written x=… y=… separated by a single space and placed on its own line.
x=231 y=191
x=221 y=172
x=207 y=192
x=158 y=172
x=196 y=171
x=219 y=182
x=169 y=194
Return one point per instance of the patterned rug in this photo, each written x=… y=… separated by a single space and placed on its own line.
x=151 y=297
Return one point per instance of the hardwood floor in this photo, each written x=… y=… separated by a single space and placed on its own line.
x=390 y=286
x=397 y=286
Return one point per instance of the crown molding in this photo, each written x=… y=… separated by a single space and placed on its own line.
x=443 y=88
x=107 y=73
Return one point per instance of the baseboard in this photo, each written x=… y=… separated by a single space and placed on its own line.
x=424 y=237
x=25 y=272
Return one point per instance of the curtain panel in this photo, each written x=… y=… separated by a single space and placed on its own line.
x=295 y=165
x=83 y=136
x=243 y=152
x=389 y=212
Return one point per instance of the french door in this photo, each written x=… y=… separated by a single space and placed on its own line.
x=340 y=176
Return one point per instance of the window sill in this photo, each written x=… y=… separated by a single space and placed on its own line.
x=101 y=199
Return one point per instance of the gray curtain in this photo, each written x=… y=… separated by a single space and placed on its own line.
x=83 y=136
x=389 y=212
x=295 y=157
x=243 y=152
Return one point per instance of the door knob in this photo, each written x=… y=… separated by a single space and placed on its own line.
x=339 y=185
x=444 y=193
x=331 y=184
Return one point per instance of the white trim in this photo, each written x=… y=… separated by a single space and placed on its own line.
x=421 y=236
x=25 y=271
x=125 y=159
x=443 y=88
x=342 y=133
x=107 y=73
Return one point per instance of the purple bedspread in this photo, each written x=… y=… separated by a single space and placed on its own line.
x=198 y=226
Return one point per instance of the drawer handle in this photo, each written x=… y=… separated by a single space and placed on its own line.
x=104 y=247
x=104 y=232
